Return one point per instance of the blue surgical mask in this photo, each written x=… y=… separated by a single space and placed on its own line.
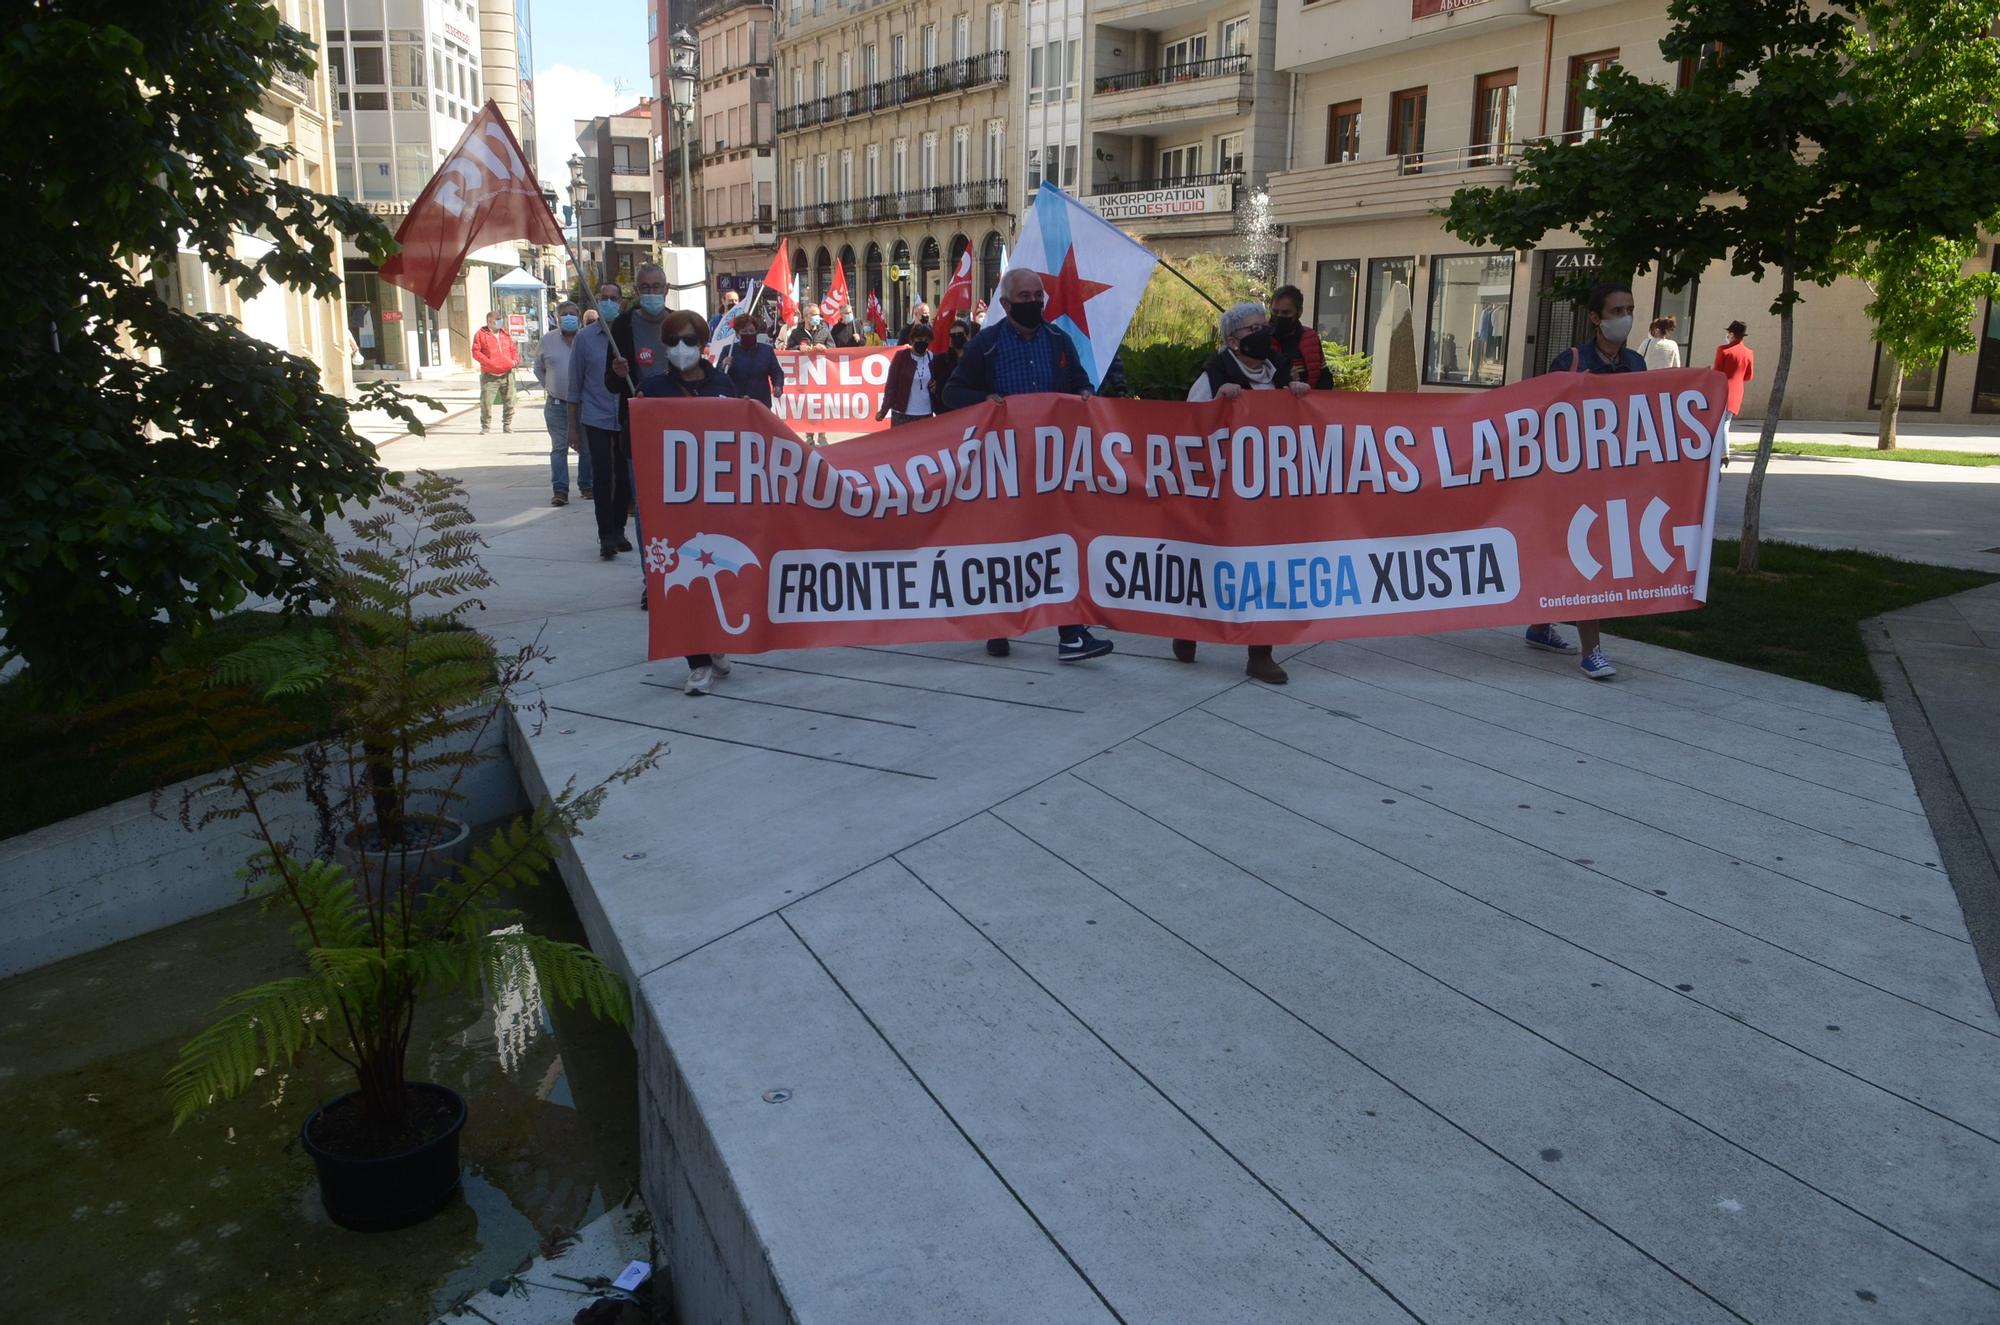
x=653 y=304
x=609 y=309
x=568 y=321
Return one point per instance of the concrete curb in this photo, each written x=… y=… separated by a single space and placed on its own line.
x=1962 y=847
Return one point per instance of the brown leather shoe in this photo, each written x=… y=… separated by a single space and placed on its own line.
x=1184 y=650
x=1263 y=667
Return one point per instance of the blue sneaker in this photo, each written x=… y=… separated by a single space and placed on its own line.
x=1549 y=639
x=1081 y=647
x=1597 y=667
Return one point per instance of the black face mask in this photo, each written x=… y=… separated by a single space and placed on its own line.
x=1256 y=345
x=958 y=342
x=1027 y=313
x=1285 y=326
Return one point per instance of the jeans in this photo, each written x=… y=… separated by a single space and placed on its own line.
x=555 y=413
x=496 y=386
x=611 y=494
x=1722 y=434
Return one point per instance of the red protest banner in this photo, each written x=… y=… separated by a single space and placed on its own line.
x=829 y=390
x=1265 y=519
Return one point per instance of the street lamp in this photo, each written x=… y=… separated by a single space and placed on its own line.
x=579 y=195
x=684 y=71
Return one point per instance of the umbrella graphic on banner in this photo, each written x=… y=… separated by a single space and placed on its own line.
x=703 y=557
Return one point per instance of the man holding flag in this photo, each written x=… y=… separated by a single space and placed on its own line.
x=1024 y=356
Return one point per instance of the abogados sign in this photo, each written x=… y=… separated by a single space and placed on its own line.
x=1432 y=8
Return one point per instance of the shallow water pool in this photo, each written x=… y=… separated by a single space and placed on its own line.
x=111 y=1216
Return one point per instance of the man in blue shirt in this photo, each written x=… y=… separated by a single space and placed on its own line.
x=1609 y=313
x=1021 y=355
x=595 y=422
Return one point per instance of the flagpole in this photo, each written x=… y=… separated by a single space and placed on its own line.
x=1188 y=283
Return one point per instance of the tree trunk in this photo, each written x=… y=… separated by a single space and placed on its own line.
x=1753 y=496
x=1892 y=401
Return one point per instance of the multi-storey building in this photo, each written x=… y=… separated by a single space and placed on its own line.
x=735 y=166
x=1181 y=116
x=409 y=75
x=295 y=112
x=1370 y=163
x=893 y=142
x=620 y=222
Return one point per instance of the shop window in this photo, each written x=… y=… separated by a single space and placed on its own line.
x=1343 y=132
x=1384 y=275
x=1923 y=388
x=1335 y=288
x=1472 y=298
x=1986 y=377
x=1680 y=305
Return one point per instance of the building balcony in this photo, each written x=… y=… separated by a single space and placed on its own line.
x=978 y=196
x=969 y=74
x=1218 y=89
x=710 y=10
x=1150 y=203
x=288 y=85
x=1322 y=34
x=1155 y=15
x=1386 y=188
x=723 y=150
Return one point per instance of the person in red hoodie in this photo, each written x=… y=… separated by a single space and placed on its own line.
x=1734 y=360
x=497 y=356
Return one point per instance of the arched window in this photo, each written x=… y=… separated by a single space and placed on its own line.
x=822 y=279
x=928 y=262
x=989 y=266
x=871 y=279
x=898 y=292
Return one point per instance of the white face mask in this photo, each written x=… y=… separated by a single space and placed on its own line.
x=1617 y=328
x=682 y=357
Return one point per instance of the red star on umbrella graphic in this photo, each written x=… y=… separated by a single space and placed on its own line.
x=1068 y=293
x=706 y=558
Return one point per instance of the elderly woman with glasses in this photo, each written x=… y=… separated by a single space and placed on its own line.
x=1247 y=361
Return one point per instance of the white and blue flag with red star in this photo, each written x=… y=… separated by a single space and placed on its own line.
x=1094 y=273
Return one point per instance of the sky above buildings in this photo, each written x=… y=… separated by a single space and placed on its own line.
x=590 y=59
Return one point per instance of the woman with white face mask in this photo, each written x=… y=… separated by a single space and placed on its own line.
x=685 y=334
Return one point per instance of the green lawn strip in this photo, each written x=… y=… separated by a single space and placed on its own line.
x=1918 y=456
x=49 y=761
x=1801 y=615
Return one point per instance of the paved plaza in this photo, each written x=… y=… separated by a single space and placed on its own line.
x=1439 y=985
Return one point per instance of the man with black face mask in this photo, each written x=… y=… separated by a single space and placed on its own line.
x=1022 y=356
x=1300 y=343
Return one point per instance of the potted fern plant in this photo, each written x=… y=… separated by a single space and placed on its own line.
x=389 y=902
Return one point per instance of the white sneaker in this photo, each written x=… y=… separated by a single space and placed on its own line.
x=719 y=663
x=699 y=680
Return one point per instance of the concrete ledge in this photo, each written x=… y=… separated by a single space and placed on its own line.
x=129 y=868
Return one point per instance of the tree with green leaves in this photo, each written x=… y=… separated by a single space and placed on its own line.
x=1934 y=66
x=150 y=459
x=1767 y=159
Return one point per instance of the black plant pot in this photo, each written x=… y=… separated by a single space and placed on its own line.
x=391 y=1191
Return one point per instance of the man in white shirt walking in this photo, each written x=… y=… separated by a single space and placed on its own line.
x=552 y=371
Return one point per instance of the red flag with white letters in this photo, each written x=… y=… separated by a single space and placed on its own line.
x=834 y=306
x=484 y=193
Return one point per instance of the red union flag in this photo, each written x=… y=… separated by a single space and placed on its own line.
x=484 y=193
x=1267 y=519
x=957 y=301
x=834 y=306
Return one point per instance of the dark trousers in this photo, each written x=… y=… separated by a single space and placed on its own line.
x=610 y=467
